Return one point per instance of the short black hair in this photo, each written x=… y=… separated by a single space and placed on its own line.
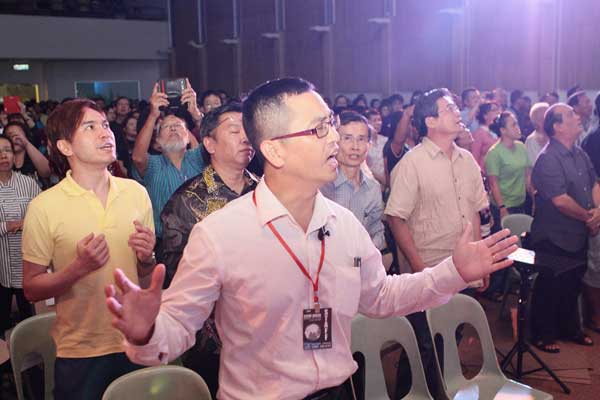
x=574 y=89
x=211 y=121
x=574 y=98
x=264 y=109
x=347 y=117
x=465 y=93
x=207 y=93
x=500 y=122
x=426 y=106
x=397 y=97
x=121 y=98
x=552 y=117
x=597 y=103
x=515 y=95
x=484 y=109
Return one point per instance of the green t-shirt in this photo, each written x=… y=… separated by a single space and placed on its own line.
x=509 y=166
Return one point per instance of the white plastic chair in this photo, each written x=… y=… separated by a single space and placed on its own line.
x=165 y=382
x=490 y=382
x=368 y=337
x=517 y=224
x=30 y=340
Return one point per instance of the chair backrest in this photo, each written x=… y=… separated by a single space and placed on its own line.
x=517 y=224
x=32 y=337
x=165 y=382
x=368 y=337
x=444 y=320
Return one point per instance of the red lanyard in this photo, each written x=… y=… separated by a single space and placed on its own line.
x=287 y=248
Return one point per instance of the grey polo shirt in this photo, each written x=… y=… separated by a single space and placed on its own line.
x=558 y=171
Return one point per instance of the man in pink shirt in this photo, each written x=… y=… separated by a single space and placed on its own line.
x=285 y=268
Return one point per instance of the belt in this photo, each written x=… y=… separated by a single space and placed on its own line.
x=334 y=392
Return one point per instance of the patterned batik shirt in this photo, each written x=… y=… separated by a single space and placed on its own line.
x=190 y=204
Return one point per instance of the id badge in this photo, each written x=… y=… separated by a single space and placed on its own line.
x=316 y=328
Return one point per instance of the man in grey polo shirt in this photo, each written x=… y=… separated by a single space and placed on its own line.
x=566 y=213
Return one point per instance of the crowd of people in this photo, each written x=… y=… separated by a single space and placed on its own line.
x=101 y=192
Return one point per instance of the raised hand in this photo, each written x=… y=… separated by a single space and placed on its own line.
x=134 y=310
x=92 y=253
x=189 y=96
x=157 y=100
x=142 y=241
x=476 y=260
x=14 y=226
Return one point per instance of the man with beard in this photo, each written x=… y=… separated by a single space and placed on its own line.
x=162 y=174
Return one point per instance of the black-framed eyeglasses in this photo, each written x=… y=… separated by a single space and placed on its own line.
x=319 y=131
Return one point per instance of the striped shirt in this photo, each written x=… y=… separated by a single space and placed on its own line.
x=365 y=203
x=15 y=196
x=162 y=179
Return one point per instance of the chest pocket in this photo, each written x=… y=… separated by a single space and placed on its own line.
x=14 y=209
x=347 y=289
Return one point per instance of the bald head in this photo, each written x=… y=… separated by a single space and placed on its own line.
x=560 y=120
x=537 y=115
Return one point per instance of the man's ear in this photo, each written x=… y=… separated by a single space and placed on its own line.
x=64 y=147
x=431 y=122
x=209 y=144
x=273 y=153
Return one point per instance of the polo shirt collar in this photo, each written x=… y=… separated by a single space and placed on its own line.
x=269 y=208
x=72 y=188
x=434 y=150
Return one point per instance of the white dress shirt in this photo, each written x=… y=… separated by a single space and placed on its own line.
x=234 y=262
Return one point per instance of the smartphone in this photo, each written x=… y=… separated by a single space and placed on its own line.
x=174 y=89
x=523 y=256
x=11 y=104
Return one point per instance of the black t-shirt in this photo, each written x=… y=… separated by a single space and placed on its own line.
x=591 y=145
x=391 y=158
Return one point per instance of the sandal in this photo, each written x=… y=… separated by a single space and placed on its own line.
x=582 y=339
x=547 y=346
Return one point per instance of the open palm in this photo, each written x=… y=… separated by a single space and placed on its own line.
x=476 y=260
x=135 y=309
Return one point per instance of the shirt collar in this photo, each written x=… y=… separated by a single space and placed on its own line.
x=72 y=188
x=213 y=181
x=341 y=179
x=561 y=148
x=269 y=208
x=434 y=150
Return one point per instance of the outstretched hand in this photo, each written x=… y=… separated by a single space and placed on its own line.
x=134 y=309
x=476 y=260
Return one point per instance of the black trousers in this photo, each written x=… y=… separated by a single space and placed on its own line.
x=24 y=306
x=205 y=363
x=341 y=392
x=554 y=311
x=88 y=378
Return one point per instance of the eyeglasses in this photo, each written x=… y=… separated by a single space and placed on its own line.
x=350 y=138
x=320 y=131
x=6 y=150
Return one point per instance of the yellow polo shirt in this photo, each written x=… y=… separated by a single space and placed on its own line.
x=56 y=221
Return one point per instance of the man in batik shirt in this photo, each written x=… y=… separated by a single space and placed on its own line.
x=227 y=152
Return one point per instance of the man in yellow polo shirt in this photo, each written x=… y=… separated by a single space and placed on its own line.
x=85 y=227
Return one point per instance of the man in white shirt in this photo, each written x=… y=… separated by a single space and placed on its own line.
x=282 y=259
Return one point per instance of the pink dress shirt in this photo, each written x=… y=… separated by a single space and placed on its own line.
x=234 y=263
